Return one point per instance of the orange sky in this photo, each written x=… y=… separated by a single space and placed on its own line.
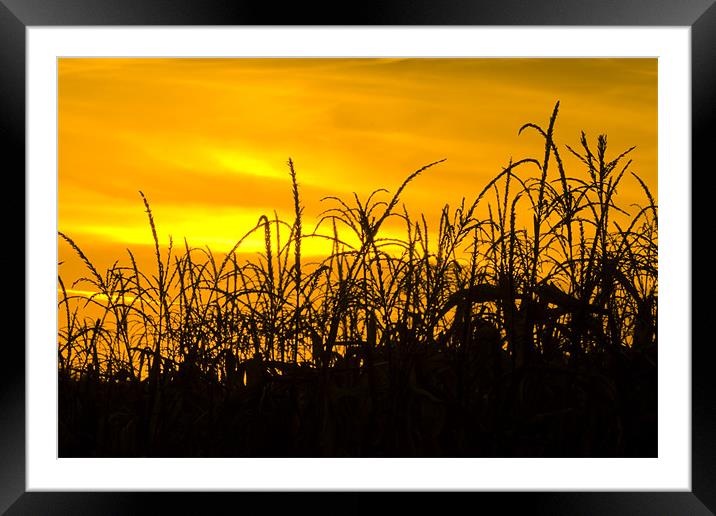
x=207 y=139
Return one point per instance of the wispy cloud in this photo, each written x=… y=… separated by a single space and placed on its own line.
x=207 y=139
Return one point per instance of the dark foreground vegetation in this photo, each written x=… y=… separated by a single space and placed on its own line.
x=486 y=337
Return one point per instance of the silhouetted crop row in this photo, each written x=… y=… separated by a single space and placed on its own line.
x=497 y=338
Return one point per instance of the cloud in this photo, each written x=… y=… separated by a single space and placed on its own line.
x=207 y=139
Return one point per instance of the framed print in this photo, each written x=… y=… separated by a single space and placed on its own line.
x=417 y=250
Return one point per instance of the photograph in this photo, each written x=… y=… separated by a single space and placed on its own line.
x=357 y=257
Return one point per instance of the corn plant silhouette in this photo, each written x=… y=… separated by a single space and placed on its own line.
x=488 y=337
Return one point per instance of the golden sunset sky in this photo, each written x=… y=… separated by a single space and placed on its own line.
x=207 y=140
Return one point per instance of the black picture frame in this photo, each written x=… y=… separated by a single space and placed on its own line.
x=17 y=15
